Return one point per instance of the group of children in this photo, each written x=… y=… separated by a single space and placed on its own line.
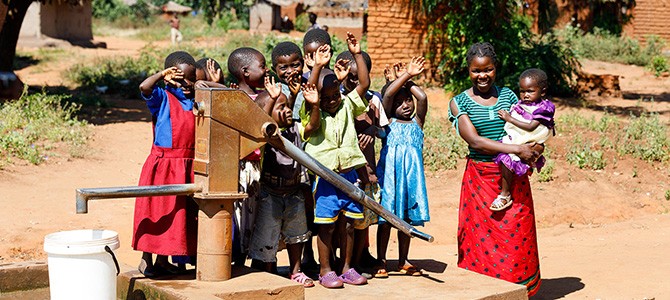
x=328 y=111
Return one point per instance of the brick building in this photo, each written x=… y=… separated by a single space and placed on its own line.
x=397 y=32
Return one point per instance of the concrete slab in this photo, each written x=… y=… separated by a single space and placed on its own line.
x=23 y=276
x=442 y=279
x=245 y=284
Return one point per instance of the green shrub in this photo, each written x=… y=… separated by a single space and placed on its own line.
x=37 y=123
x=122 y=15
x=667 y=195
x=443 y=147
x=302 y=22
x=658 y=65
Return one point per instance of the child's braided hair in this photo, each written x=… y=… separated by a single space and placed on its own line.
x=484 y=49
x=285 y=49
x=536 y=74
x=177 y=58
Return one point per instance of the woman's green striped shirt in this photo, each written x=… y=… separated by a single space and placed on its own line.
x=484 y=118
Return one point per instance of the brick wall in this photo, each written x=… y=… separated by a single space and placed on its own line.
x=650 y=17
x=395 y=34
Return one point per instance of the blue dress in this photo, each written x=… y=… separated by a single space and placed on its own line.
x=401 y=173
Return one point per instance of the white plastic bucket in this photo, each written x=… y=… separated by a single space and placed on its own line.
x=82 y=264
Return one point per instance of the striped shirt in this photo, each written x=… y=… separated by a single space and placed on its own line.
x=484 y=118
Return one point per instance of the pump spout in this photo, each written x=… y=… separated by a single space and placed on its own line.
x=86 y=194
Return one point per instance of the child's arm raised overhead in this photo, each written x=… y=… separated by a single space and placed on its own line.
x=312 y=97
x=503 y=114
x=415 y=67
x=363 y=72
x=421 y=103
x=169 y=75
x=274 y=90
x=321 y=59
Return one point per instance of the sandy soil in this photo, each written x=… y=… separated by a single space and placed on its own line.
x=602 y=235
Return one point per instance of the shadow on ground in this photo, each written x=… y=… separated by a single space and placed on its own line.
x=558 y=288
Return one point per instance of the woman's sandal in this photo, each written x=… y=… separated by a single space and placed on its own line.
x=410 y=270
x=501 y=202
x=302 y=279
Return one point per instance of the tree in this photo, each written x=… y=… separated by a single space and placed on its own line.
x=454 y=25
x=12 y=13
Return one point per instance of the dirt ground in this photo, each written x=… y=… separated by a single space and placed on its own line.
x=602 y=234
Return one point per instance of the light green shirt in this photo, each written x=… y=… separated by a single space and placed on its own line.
x=335 y=143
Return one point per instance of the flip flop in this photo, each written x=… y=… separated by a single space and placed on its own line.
x=381 y=273
x=410 y=271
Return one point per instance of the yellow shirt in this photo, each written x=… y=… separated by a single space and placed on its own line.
x=335 y=143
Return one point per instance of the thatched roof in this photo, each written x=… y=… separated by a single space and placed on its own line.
x=174 y=7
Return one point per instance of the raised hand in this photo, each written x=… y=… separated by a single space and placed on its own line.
x=354 y=45
x=294 y=83
x=171 y=74
x=273 y=89
x=416 y=66
x=213 y=73
x=322 y=56
x=309 y=60
x=342 y=68
x=389 y=73
x=311 y=94
x=399 y=68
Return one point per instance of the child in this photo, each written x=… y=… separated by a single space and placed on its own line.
x=287 y=63
x=368 y=126
x=208 y=69
x=247 y=65
x=166 y=225
x=531 y=120
x=331 y=139
x=401 y=164
x=311 y=42
x=281 y=205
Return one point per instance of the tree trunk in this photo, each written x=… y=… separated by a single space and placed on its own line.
x=9 y=35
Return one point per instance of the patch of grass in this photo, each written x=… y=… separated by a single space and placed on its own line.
x=35 y=124
x=658 y=65
x=646 y=138
x=667 y=195
x=584 y=156
x=119 y=74
x=547 y=173
x=604 y=46
x=443 y=147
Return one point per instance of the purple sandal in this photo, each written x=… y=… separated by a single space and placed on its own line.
x=352 y=277
x=331 y=281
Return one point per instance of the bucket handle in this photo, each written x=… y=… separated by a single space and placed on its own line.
x=116 y=263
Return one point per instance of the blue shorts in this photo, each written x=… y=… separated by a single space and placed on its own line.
x=330 y=201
